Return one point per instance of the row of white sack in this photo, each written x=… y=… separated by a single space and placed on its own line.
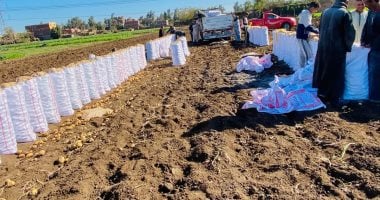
x=286 y=47
x=161 y=48
x=258 y=35
x=27 y=106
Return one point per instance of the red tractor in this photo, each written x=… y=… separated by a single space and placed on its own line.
x=273 y=21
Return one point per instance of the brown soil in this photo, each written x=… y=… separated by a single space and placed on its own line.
x=11 y=69
x=178 y=133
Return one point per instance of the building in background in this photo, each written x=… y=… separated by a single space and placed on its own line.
x=41 y=31
x=132 y=24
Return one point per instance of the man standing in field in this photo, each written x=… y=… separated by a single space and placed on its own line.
x=359 y=17
x=303 y=32
x=371 y=39
x=337 y=34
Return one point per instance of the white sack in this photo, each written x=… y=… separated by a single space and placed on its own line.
x=110 y=72
x=104 y=74
x=178 y=56
x=19 y=114
x=34 y=107
x=91 y=80
x=259 y=35
x=72 y=87
x=8 y=144
x=82 y=85
x=61 y=93
x=98 y=76
x=184 y=46
x=48 y=98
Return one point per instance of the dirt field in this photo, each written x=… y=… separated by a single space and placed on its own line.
x=178 y=133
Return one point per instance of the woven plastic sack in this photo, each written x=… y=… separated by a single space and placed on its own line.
x=152 y=50
x=98 y=76
x=48 y=98
x=90 y=78
x=356 y=74
x=33 y=103
x=8 y=144
x=128 y=65
x=134 y=60
x=110 y=72
x=143 y=57
x=82 y=85
x=250 y=63
x=140 y=61
x=102 y=67
x=72 y=87
x=184 y=46
x=19 y=113
x=58 y=79
x=178 y=56
x=116 y=69
x=164 y=48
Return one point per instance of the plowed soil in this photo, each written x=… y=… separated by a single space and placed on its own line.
x=179 y=133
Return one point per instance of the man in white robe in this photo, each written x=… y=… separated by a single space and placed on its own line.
x=359 y=17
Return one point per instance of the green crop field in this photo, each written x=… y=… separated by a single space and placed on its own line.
x=16 y=51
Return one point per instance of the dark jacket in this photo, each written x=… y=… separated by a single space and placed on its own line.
x=336 y=37
x=371 y=31
x=303 y=32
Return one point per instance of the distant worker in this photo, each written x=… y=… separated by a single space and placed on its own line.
x=237 y=29
x=161 y=32
x=171 y=30
x=359 y=17
x=303 y=32
x=245 y=26
x=196 y=32
x=191 y=29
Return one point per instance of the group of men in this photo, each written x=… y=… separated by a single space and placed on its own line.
x=338 y=30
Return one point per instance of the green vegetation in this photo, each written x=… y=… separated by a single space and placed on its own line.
x=16 y=51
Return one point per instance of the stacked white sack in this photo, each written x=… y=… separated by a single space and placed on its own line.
x=58 y=79
x=259 y=35
x=178 y=56
x=98 y=76
x=128 y=63
x=145 y=62
x=82 y=85
x=356 y=74
x=123 y=65
x=152 y=50
x=165 y=47
x=184 y=46
x=110 y=72
x=19 y=113
x=134 y=60
x=90 y=78
x=33 y=103
x=285 y=47
x=48 y=98
x=8 y=144
x=115 y=68
x=103 y=71
x=139 y=58
x=72 y=87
